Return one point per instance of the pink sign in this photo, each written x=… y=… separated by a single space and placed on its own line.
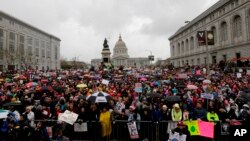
x=198 y=72
x=206 y=129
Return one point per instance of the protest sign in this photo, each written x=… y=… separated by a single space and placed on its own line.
x=248 y=72
x=207 y=96
x=105 y=82
x=4 y=114
x=240 y=70
x=206 y=129
x=193 y=127
x=138 y=87
x=182 y=75
x=133 y=130
x=177 y=137
x=81 y=127
x=239 y=75
x=68 y=117
x=225 y=128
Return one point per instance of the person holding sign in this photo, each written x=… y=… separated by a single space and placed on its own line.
x=182 y=130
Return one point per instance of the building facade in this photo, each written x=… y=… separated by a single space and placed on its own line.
x=230 y=22
x=121 y=57
x=24 y=46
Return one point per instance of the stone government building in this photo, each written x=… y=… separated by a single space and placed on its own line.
x=120 y=57
x=25 y=46
x=230 y=22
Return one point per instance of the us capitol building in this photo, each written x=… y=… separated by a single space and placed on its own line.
x=230 y=22
x=120 y=56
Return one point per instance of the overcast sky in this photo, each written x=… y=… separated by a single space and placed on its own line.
x=82 y=25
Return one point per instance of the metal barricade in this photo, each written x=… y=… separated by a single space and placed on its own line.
x=147 y=130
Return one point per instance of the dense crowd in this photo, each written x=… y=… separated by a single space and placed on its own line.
x=168 y=94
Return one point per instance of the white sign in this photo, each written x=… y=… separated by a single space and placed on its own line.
x=104 y=81
x=240 y=70
x=248 y=72
x=207 y=96
x=68 y=117
x=239 y=75
x=133 y=130
x=177 y=137
x=182 y=75
x=81 y=127
x=138 y=87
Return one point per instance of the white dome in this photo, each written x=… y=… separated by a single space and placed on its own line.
x=120 y=49
x=120 y=43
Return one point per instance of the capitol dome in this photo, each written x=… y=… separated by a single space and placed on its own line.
x=120 y=49
x=120 y=43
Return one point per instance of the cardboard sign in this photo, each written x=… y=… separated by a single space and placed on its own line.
x=193 y=127
x=68 y=117
x=133 y=130
x=83 y=127
x=138 y=87
x=239 y=75
x=207 y=96
x=177 y=137
x=182 y=75
x=104 y=81
x=225 y=128
x=206 y=129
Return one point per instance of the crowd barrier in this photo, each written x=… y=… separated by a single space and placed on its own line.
x=147 y=130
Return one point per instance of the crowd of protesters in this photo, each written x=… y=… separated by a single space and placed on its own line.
x=53 y=92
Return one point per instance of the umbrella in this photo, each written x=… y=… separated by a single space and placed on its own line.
x=4 y=114
x=99 y=97
x=173 y=99
x=143 y=79
x=12 y=104
x=166 y=81
x=44 y=80
x=154 y=95
x=192 y=87
x=31 y=84
x=207 y=81
x=81 y=86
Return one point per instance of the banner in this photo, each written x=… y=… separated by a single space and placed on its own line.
x=177 y=137
x=206 y=129
x=207 y=96
x=201 y=36
x=138 y=87
x=68 y=117
x=193 y=127
x=106 y=82
x=133 y=130
x=81 y=127
x=210 y=38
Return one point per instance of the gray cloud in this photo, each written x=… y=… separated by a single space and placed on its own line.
x=82 y=25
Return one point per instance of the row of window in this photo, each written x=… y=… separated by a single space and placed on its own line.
x=229 y=7
x=224 y=36
x=21 y=46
